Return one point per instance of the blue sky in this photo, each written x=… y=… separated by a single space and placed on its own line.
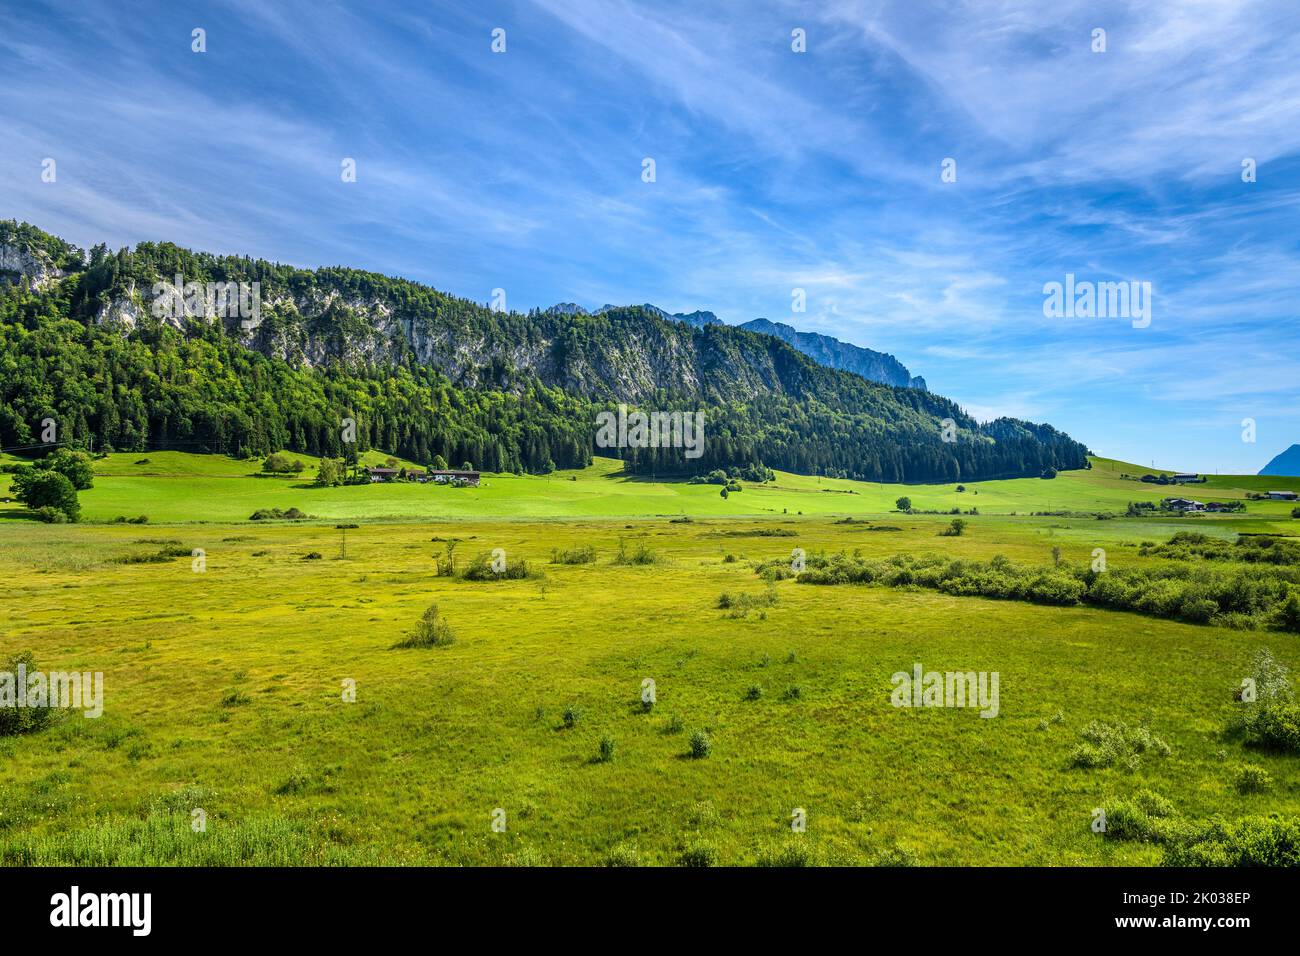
x=775 y=170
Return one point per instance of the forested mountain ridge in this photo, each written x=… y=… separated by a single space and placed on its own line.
x=823 y=349
x=426 y=373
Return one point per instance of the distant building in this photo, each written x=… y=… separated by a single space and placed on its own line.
x=1184 y=504
x=1222 y=506
x=381 y=474
x=1282 y=495
x=1183 y=478
x=454 y=477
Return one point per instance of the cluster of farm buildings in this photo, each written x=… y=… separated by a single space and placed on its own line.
x=1189 y=504
x=423 y=475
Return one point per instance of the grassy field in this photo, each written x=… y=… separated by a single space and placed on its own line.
x=224 y=687
x=173 y=486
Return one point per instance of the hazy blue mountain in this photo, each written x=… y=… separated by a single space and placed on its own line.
x=1287 y=463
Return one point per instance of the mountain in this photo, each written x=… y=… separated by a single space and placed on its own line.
x=1287 y=463
x=423 y=373
x=831 y=352
x=822 y=349
x=696 y=319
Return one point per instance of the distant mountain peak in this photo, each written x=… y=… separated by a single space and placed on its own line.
x=698 y=319
x=829 y=351
x=822 y=349
x=566 y=308
x=1286 y=464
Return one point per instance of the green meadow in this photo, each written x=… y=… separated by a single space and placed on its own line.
x=177 y=487
x=226 y=679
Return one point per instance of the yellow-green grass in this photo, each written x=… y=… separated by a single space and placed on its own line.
x=439 y=738
x=174 y=486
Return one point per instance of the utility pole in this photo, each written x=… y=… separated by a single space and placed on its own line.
x=344 y=555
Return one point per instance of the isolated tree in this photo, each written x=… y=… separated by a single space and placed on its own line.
x=74 y=465
x=281 y=464
x=903 y=504
x=329 y=473
x=47 y=489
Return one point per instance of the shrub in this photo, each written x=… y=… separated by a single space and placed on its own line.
x=268 y=514
x=1246 y=597
x=792 y=853
x=701 y=745
x=1275 y=726
x=281 y=464
x=1272 y=678
x=754 y=693
x=1251 y=779
x=1253 y=841
x=741 y=604
x=431 y=631
x=607 y=747
x=954 y=529
x=481 y=569
x=623 y=855
x=699 y=853
x=312 y=556
x=1288 y=616
x=894 y=856
x=571 y=717
x=16 y=720
x=1141 y=819
x=51 y=515
x=1108 y=744
x=297 y=781
x=793 y=692
x=642 y=554
x=584 y=555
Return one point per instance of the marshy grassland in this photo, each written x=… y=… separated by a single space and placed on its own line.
x=226 y=677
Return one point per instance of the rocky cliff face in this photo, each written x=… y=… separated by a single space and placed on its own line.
x=822 y=349
x=831 y=352
x=17 y=261
x=627 y=354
